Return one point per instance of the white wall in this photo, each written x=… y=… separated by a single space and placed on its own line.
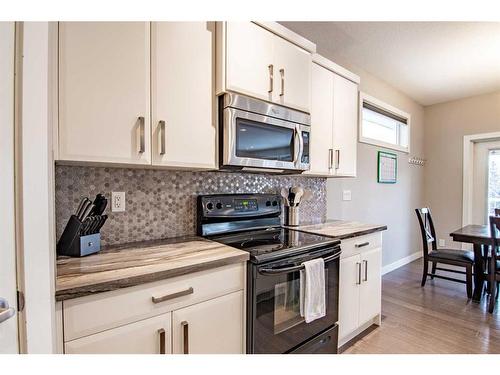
x=37 y=190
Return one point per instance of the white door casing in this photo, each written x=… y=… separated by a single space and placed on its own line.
x=8 y=284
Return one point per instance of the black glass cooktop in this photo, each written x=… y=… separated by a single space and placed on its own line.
x=274 y=243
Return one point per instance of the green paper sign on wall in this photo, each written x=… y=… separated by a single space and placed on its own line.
x=387 y=167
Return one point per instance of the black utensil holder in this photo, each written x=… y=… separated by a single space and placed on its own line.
x=73 y=244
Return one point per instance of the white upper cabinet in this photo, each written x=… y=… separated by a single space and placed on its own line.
x=104 y=92
x=183 y=94
x=249 y=60
x=293 y=88
x=257 y=62
x=334 y=120
x=321 y=148
x=345 y=125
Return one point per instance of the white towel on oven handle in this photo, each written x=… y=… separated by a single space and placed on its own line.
x=312 y=290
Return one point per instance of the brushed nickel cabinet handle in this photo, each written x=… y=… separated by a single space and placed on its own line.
x=366 y=270
x=358 y=245
x=359 y=273
x=173 y=295
x=337 y=159
x=162 y=138
x=330 y=158
x=161 y=332
x=142 y=136
x=185 y=335
x=271 y=78
x=282 y=73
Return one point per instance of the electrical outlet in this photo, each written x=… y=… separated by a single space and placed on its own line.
x=346 y=195
x=118 y=201
x=442 y=243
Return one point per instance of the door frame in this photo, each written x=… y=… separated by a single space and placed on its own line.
x=468 y=171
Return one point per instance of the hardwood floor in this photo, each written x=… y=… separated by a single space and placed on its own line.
x=434 y=319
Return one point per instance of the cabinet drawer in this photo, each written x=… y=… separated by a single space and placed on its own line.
x=87 y=315
x=142 y=337
x=360 y=244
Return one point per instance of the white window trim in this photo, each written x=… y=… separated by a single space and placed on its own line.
x=363 y=97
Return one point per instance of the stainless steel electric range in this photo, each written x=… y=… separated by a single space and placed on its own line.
x=251 y=222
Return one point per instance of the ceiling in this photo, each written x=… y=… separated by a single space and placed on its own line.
x=432 y=62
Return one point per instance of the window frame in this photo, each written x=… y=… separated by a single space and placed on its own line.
x=365 y=98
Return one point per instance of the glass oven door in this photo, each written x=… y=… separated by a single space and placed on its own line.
x=276 y=323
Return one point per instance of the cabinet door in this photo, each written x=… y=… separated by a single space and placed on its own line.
x=104 y=92
x=321 y=122
x=249 y=55
x=345 y=125
x=371 y=288
x=292 y=76
x=143 y=337
x=182 y=94
x=349 y=295
x=211 y=327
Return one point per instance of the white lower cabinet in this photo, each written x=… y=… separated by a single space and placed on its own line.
x=199 y=313
x=148 y=336
x=211 y=327
x=360 y=287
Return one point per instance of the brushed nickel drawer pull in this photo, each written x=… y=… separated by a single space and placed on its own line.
x=162 y=137
x=358 y=245
x=142 y=136
x=185 y=334
x=282 y=73
x=271 y=78
x=173 y=295
x=161 y=332
x=366 y=270
x=359 y=273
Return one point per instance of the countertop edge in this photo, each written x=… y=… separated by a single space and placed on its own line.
x=358 y=233
x=108 y=286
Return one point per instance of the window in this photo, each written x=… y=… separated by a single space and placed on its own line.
x=493 y=182
x=383 y=125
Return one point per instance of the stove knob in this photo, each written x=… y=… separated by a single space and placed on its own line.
x=275 y=203
x=210 y=206
x=218 y=205
x=268 y=203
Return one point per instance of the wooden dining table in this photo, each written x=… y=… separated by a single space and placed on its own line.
x=479 y=236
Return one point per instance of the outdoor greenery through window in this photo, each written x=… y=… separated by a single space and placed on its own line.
x=493 y=181
x=382 y=127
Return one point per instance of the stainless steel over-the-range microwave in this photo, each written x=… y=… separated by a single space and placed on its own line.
x=257 y=135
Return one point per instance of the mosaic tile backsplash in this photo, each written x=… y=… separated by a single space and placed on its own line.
x=162 y=203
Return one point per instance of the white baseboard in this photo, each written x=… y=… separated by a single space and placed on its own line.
x=401 y=262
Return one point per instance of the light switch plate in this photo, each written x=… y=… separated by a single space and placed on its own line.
x=118 y=201
x=346 y=195
x=442 y=243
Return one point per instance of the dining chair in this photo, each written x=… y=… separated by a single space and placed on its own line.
x=494 y=262
x=461 y=258
x=497 y=211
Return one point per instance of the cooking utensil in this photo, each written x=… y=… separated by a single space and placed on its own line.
x=101 y=222
x=307 y=195
x=284 y=194
x=298 y=191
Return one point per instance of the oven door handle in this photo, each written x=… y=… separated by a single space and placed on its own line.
x=280 y=271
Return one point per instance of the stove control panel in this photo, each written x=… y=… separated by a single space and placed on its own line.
x=235 y=205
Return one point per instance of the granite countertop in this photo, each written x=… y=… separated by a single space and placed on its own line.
x=138 y=263
x=341 y=229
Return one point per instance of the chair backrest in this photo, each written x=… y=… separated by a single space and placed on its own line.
x=497 y=211
x=495 y=241
x=427 y=229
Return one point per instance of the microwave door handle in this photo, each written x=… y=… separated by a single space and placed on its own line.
x=297 y=142
x=301 y=144
x=281 y=271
